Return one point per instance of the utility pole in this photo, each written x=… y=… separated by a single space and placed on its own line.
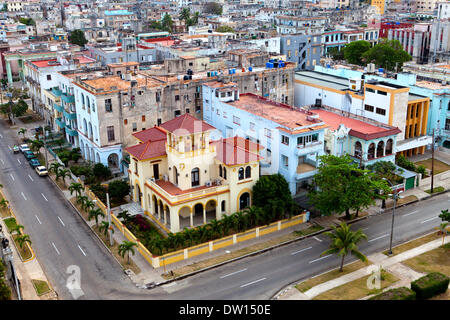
x=45 y=147
x=432 y=164
x=109 y=220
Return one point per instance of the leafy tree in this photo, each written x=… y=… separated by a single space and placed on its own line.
x=36 y=145
x=95 y=213
x=77 y=37
x=403 y=162
x=185 y=14
x=125 y=248
x=213 y=8
x=22 y=132
x=344 y=242
x=22 y=239
x=353 y=51
x=18 y=228
x=387 y=54
x=75 y=187
x=101 y=172
x=225 y=29
x=445 y=215
x=336 y=54
x=17 y=109
x=4 y=203
x=118 y=189
x=27 y=21
x=167 y=23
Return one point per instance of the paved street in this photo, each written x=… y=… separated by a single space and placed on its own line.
x=61 y=239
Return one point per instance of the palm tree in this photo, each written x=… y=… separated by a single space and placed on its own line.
x=125 y=248
x=4 y=203
x=22 y=131
x=87 y=205
x=95 y=213
x=157 y=246
x=443 y=230
x=18 y=228
x=81 y=200
x=189 y=235
x=216 y=228
x=22 y=239
x=343 y=242
x=36 y=145
x=104 y=227
x=75 y=187
x=124 y=215
x=63 y=173
x=185 y=14
x=227 y=223
x=54 y=167
x=238 y=218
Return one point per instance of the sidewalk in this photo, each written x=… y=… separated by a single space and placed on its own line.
x=390 y=264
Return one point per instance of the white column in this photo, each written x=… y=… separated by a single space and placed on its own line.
x=192 y=219
x=204 y=215
x=165 y=218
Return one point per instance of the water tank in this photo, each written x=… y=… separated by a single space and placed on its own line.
x=269 y=65
x=208 y=74
x=380 y=70
x=230 y=71
x=328 y=66
x=271 y=60
x=250 y=69
x=234 y=71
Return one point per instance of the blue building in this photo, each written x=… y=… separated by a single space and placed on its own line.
x=292 y=138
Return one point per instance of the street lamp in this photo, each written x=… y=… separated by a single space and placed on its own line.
x=395 y=195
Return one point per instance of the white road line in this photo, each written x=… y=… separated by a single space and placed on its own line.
x=408 y=214
x=230 y=274
x=24 y=196
x=12 y=177
x=4 y=163
x=44 y=197
x=320 y=258
x=317 y=239
x=19 y=161
x=247 y=284
x=61 y=222
x=56 y=249
x=1 y=136
x=384 y=235
x=30 y=178
x=365 y=228
x=304 y=249
x=82 y=250
x=429 y=219
x=38 y=219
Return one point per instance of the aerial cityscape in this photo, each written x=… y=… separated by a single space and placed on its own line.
x=272 y=151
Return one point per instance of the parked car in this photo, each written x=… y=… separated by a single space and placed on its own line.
x=16 y=149
x=29 y=154
x=41 y=171
x=34 y=162
x=23 y=147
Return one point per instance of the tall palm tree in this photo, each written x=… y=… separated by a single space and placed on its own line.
x=124 y=215
x=95 y=213
x=238 y=219
x=18 y=228
x=21 y=239
x=87 y=205
x=125 y=248
x=54 y=167
x=63 y=173
x=216 y=228
x=4 y=203
x=104 y=227
x=343 y=242
x=189 y=235
x=157 y=245
x=81 y=200
x=227 y=223
x=185 y=14
x=443 y=230
x=75 y=187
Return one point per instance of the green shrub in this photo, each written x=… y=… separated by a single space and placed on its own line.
x=118 y=189
x=402 y=293
x=421 y=169
x=101 y=172
x=81 y=170
x=99 y=191
x=430 y=285
x=403 y=162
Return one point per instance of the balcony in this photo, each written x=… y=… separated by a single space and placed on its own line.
x=60 y=123
x=67 y=98
x=56 y=92
x=58 y=107
x=70 y=116
x=174 y=194
x=71 y=132
x=309 y=148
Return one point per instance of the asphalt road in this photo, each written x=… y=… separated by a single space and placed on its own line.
x=61 y=239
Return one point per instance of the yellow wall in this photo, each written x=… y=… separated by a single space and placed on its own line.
x=379 y=4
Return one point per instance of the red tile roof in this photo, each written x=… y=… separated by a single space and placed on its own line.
x=359 y=129
x=148 y=150
x=236 y=150
x=186 y=124
x=152 y=134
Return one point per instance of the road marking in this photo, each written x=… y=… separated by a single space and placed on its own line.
x=365 y=228
x=1 y=136
x=24 y=196
x=429 y=219
x=30 y=178
x=4 y=163
x=247 y=284
x=82 y=250
x=304 y=249
x=19 y=161
x=408 y=214
x=38 y=219
x=317 y=239
x=44 y=197
x=56 y=249
x=61 y=222
x=384 y=235
x=12 y=177
x=320 y=258
x=230 y=274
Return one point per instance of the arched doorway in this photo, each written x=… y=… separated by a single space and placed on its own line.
x=155 y=206
x=389 y=147
x=446 y=143
x=198 y=214
x=211 y=210
x=371 y=151
x=138 y=195
x=113 y=160
x=184 y=215
x=358 y=149
x=380 y=149
x=244 y=201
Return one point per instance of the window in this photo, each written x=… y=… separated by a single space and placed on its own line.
x=177 y=113
x=248 y=172
x=383 y=93
x=134 y=126
x=108 y=105
x=49 y=77
x=370 y=90
x=368 y=108
x=284 y=140
x=285 y=161
x=236 y=120
x=187 y=110
x=158 y=96
x=177 y=97
x=268 y=133
x=143 y=118
x=222 y=206
x=224 y=114
x=381 y=111
x=135 y=167
x=195 y=177
x=225 y=173
x=125 y=121
x=220 y=170
x=110 y=133
x=241 y=173
x=252 y=126
x=159 y=122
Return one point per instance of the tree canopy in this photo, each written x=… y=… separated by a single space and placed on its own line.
x=225 y=29
x=387 y=54
x=185 y=15
x=18 y=109
x=353 y=52
x=77 y=37
x=27 y=21
x=213 y=8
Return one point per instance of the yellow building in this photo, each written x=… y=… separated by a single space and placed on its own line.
x=379 y=4
x=53 y=110
x=184 y=180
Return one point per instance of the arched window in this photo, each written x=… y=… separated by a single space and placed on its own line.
x=358 y=149
x=220 y=170
x=380 y=149
x=224 y=173
x=175 y=175
x=85 y=127
x=388 y=147
x=248 y=172
x=222 y=206
x=241 y=173
x=195 y=177
x=82 y=99
x=244 y=201
x=371 y=151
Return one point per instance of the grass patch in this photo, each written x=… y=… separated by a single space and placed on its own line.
x=10 y=224
x=309 y=230
x=41 y=287
x=413 y=244
x=436 y=260
x=439 y=166
x=24 y=252
x=435 y=190
x=357 y=289
x=401 y=201
x=308 y=284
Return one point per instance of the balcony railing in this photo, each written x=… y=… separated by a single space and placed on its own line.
x=58 y=107
x=60 y=123
x=56 y=92
x=67 y=98
x=70 y=116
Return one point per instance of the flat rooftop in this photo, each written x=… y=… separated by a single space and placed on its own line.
x=323 y=79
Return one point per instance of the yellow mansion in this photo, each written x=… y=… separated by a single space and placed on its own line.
x=184 y=179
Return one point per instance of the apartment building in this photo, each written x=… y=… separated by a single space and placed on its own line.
x=292 y=138
x=415 y=40
x=183 y=178
x=303 y=25
x=304 y=50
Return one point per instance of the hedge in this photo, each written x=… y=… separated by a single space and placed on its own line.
x=430 y=285
x=402 y=293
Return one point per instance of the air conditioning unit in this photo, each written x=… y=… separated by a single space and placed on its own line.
x=208 y=183
x=218 y=182
x=153 y=179
x=165 y=177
